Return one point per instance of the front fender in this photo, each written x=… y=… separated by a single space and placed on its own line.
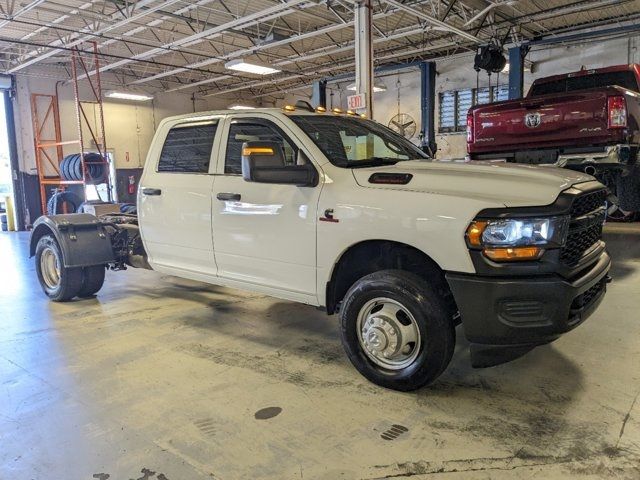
x=82 y=238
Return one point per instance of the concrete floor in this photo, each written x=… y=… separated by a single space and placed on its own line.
x=160 y=378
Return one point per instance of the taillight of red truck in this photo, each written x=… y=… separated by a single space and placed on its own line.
x=616 y=112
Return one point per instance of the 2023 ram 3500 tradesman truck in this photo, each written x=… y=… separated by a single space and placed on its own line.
x=587 y=121
x=338 y=211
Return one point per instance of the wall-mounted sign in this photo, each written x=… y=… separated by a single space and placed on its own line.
x=356 y=102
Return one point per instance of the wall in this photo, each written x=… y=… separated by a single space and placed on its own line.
x=458 y=73
x=129 y=126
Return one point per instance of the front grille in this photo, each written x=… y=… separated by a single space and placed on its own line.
x=578 y=242
x=588 y=202
x=585 y=230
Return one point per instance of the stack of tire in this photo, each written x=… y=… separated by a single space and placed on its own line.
x=4 y=222
x=71 y=167
x=63 y=202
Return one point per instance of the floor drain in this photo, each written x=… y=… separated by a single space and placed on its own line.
x=267 y=413
x=394 y=432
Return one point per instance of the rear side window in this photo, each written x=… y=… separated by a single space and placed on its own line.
x=586 y=82
x=187 y=148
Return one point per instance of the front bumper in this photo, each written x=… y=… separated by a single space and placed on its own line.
x=505 y=317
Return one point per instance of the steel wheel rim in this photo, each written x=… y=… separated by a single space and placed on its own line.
x=388 y=333
x=50 y=268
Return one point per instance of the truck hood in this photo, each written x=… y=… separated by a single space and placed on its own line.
x=498 y=182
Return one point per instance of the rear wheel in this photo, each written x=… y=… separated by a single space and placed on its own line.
x=396 y=330
x=58 y=282
x=628 y=189
x=92 y=280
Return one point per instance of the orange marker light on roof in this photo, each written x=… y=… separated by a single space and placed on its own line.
x=336 y=110
x=289 y=108
x=320 y=109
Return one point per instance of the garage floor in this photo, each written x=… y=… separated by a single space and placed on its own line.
x=159 y=378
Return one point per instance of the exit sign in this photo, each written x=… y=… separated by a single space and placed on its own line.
x=356 y=102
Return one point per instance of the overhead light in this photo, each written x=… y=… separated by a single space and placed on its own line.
x=138 y=97
x=250 y=67
x=377 y=87
x=240 y=107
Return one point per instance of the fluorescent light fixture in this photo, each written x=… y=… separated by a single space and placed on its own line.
x=250 y=67
x=138 y=97
x=377 y=87
x=240 y=107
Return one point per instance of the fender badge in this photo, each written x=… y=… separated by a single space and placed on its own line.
x=328 y=216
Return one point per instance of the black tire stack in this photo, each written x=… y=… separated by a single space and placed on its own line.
x=63 y=202
x=4 y=222
x=71 y=167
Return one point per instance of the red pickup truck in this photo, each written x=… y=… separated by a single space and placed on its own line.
x=587 y=120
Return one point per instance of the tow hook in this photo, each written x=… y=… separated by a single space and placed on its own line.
x=608 y=279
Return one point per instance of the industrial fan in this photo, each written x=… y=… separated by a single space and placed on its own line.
x=404 y=124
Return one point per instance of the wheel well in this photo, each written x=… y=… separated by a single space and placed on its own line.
x=39 y=232
x=375 y=255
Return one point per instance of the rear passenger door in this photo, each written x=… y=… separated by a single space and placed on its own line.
x=174 y=199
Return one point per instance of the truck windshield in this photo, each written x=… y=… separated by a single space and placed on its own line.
x=586 y=82
x=355 y=142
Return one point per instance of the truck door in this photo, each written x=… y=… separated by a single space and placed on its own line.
x=174 y=198
x=264 y=234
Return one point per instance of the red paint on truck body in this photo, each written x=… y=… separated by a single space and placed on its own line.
x=572 y=118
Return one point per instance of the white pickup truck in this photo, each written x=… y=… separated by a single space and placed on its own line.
x=334 y=210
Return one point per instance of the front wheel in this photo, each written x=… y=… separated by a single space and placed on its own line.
x=396 y=330
x=58 y=282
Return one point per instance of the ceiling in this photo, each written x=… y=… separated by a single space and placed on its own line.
x=178 y=45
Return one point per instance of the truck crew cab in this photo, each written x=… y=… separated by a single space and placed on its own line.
x=334 y=210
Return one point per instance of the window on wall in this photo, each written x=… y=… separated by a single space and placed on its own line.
x=454 y=105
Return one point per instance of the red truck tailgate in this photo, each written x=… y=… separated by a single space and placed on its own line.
x=545 y=121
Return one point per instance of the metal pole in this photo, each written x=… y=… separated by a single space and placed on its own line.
x=427 y=106
x=364 y=54
x=319 y=94
x=516 y=71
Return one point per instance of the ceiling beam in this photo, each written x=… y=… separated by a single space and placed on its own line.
x=434 y=21
x=91 y=30
x=242 y=22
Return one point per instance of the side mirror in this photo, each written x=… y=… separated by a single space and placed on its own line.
x=264 y=162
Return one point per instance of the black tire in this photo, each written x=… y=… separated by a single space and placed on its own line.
x=628 y=189
x=431 y=318
x=55 y=203
x=69 y=281
x=92 y=280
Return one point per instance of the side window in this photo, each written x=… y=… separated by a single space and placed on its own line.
x=187 y=148
x=253 y=131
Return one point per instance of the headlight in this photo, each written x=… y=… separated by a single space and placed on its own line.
x=517 y=238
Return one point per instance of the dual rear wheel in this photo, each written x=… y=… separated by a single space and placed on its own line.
x=62 y=283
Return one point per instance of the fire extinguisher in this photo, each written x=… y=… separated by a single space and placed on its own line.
x=131 y=188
